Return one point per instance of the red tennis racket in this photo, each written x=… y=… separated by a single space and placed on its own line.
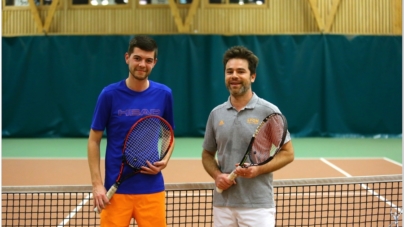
x=149 y=139
x=265 y=143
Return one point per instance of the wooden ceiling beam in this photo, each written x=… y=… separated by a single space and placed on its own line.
x=51 y=12
x=181 y=26
x=317 y=16
x=330 y=17
x=35 y=14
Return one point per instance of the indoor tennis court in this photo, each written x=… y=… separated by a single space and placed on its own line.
x=334 y=69
x=333 y=188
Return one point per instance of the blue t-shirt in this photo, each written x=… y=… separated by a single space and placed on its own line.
x=117 y=109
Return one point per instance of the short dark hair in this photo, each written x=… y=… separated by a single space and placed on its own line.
x=242 y=53
x=143 y=42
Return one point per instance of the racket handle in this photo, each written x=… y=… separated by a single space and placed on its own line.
x=110 y=193
x=231 y=177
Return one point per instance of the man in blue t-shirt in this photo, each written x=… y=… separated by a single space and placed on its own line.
x=119 y=106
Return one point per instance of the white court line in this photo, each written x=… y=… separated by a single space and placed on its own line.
x=392 y=161
x=335 y=167
x=77 y=209
x=355 y=158
x=363 y=186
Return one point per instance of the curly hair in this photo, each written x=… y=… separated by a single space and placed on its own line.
x=242 y=53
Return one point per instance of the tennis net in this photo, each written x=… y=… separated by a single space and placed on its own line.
x=353 y=201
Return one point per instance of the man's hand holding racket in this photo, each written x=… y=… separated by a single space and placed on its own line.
x=266 y=142
x=153 y=168
x=100 y=193
x=146 y=144
x=100 y=197
x=225 y=181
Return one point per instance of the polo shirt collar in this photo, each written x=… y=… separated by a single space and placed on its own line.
x=250 y=105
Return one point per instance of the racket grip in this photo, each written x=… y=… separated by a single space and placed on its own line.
x=110 y=193
x=231 y=176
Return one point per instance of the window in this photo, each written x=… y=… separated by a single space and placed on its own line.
x=26 y=3
x=163 y=2
x=238 y=2
x=100 y=2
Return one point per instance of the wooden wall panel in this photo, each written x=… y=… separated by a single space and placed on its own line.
x=381 y=17
x=364 y=17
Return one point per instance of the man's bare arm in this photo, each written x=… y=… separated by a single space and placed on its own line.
x=154 y=168
x=93 y=156
x=285 y=156
x=211 y=167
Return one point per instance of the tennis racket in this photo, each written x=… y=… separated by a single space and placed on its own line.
x=149 y=139
x=265 y=143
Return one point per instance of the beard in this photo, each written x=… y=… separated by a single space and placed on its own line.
x=136 y=75
x=238 y=91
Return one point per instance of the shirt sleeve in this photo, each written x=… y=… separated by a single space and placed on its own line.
x=102 y=112
x=209 y=142
x=168 y=110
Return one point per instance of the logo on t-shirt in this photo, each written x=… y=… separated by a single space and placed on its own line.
x=254 y=121
x=138 y=112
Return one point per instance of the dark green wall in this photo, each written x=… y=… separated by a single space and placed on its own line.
x=326 y=85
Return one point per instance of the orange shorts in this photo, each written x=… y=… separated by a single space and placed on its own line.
x=149 y=210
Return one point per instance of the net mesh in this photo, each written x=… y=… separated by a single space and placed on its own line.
x=355 y=201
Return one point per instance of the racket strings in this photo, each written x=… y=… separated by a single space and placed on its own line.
x=268 y=140
x=147 y=141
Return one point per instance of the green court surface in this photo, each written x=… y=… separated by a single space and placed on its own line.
x=192 y=148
